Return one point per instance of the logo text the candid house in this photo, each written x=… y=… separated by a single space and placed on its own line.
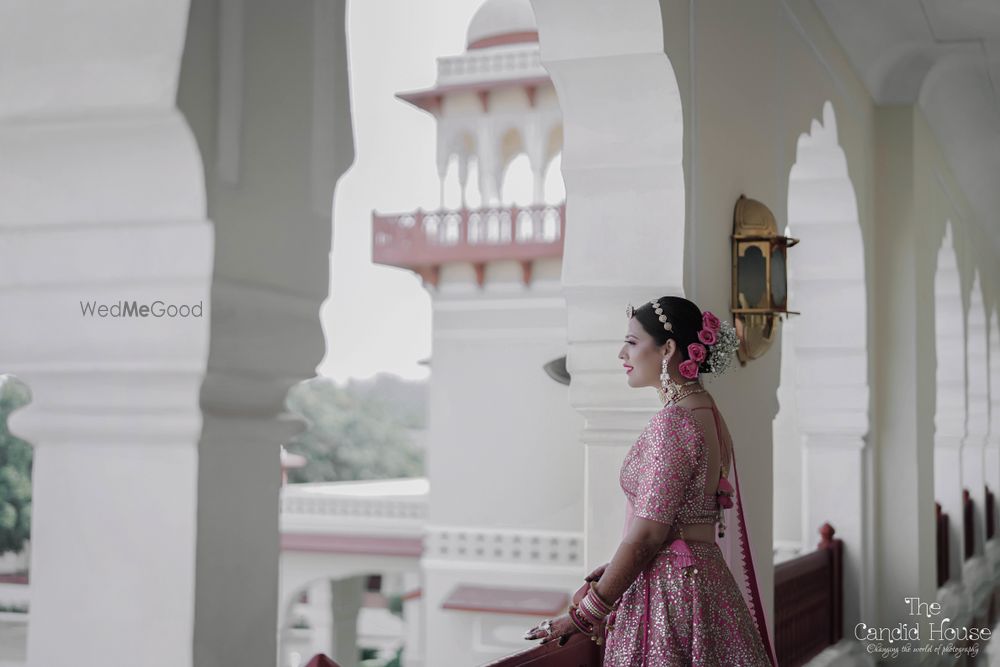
x=135 y=309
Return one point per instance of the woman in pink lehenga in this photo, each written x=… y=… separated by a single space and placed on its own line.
x=671 y=594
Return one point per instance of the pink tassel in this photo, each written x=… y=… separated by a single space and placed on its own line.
x=682 y=555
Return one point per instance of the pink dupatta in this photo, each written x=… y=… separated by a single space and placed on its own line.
x=738 y=553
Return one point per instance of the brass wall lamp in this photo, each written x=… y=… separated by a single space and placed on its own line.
x=760 y=277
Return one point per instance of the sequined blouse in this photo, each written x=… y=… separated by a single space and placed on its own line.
x=664 y=473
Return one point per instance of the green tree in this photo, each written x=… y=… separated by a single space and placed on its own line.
x=15 y=470
x=351 y=435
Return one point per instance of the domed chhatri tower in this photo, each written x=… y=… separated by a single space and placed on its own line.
x=493 y=104
x=504 y=538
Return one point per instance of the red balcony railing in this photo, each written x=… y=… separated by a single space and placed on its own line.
x=809 y=601
x=423 y=241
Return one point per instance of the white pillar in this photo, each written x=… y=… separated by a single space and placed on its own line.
x=950 y=412
x=488 y=157
x=102 y=199
x=321 y=605
x=978 y=424
x=413 y=616
x=463 y=177
x=535 y=142
x=976 y=572
x=265 y=90
x=902 y=355
x=991 y=454
x=345 y=597
x=640 y=144
x=828 y=284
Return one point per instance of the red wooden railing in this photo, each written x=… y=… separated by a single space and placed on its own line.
x=579 y=651
x=943 y=566
x=809 y=601
x=320 y=660
x=990 y=532
x=968 y=534
x=990 y=514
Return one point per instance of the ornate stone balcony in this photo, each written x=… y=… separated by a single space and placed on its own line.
x=510 y=63
x=383 y=517
x=423 y=241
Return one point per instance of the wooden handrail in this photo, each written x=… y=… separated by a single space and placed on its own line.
x=809 y=601
x=968 y=526
x=942 y=539
x=579 y=651
x=320 y=660
x=990 y=514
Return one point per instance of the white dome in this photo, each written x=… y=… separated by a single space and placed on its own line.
x=497 y=18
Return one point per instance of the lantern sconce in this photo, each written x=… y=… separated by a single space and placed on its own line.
x=760 y=277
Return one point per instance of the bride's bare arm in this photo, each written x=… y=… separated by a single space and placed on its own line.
x=644 y=538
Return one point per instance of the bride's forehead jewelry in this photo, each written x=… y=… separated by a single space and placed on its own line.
x=663 y=318
x=630 y=311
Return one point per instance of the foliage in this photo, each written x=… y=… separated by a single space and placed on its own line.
x=15 y=470
x=396 y=605
x=397 y=660
x=353 y=433
x=408 y=399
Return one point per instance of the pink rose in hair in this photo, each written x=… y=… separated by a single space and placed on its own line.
x=696 y=352
x=707 y=337
x=710 y=321
x=688 y=369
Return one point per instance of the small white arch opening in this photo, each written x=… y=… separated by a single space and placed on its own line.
x=554 y=188
x=823 y=392
x=451 y=186
x=517 y=184
x=473 y=193
x=951 y=409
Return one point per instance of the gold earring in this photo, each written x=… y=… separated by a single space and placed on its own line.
x=668 y=388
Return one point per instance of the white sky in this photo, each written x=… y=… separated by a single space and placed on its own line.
x=378 y=319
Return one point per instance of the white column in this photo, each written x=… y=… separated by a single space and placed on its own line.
x=265 y=90
x=828 y=284
x=535 y=144
x=489 y=167
x=321 y=606
x=902 y=354
x=102 y=199
x=950 y=413
x=516 y=425
x=345 y=597
x=991 y=454
x=413 y=616
x=441 y=161
x=978 y=425
x=976 y=572
x=631 y=166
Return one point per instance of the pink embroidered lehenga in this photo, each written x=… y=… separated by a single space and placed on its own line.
x=686 y=607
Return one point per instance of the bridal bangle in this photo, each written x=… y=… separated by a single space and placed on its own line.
x=583 y=625
x=601 y=604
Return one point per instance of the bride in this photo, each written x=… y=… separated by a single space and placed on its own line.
x=669 y=595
